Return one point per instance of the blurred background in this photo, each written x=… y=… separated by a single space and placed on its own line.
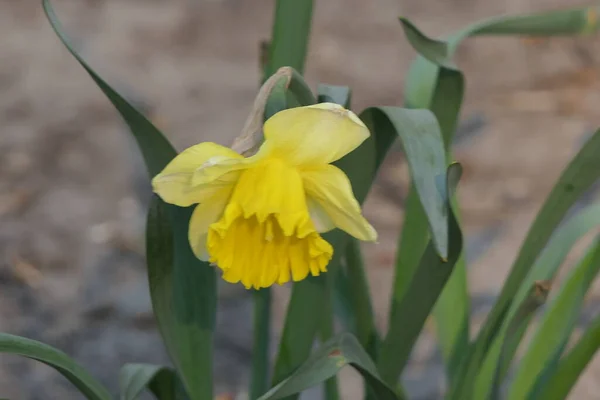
x=73 y=191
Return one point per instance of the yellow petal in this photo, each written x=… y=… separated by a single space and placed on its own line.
x=330 y=188
x=175 y=183
x=317 y=134
x=205 y=214
x=319 y=216
x=266 y=235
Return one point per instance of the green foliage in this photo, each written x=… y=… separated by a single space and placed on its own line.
x=161 y=381
x=409 y=315
x=555 y=328
x=325 y=363
x=56 y=359
x=570 y=367
x=430 y=274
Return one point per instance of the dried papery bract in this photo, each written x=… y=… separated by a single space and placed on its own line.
x=251 y=137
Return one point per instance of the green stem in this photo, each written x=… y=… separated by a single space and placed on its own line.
x=361 y=299
x=260 y=358
x=326 y=333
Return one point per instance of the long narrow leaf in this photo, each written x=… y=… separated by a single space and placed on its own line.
x=291 y=31
x=420 y=136
x=556 y=326
x=572 y=365
x=56 y=359
x=325 y=363
x=516 y=327
x=581 y=173
x=432 y=67
x=183 y=296
x=408 y=317
x=161 y=381
x=155 y=148
x=183 y=289
x=440 y=90
x=545 y=268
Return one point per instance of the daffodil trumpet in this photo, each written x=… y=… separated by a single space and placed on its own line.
x=259 y=218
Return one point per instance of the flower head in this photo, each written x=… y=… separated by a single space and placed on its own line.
x=259 y=218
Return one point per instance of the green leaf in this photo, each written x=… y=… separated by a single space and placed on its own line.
x=433 y=73
x=341 y=95
x=183 y=293
x=572 y=365
x=325 y=363
x=289 y=39
x=553 y=23
x=183 y=289
x=419 y=134
x=544 y=269
x=436 y=51
x=155 y=148
x=56 y=359
x=556 y=326
x=581 y=173
x=410 y=313
x=441 y=90
x=580 y=21
x=162 y=381
x=517 y=325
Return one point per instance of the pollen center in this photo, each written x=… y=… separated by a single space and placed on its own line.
x=265 y=234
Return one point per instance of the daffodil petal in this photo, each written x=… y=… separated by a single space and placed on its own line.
x=330 y=188
x=319 y=216
x=205 y=214
x=175 y=183
x=317 y=134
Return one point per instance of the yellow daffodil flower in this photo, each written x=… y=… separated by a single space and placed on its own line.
x=259 y=218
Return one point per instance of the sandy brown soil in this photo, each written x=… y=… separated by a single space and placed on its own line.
x=73 y=192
